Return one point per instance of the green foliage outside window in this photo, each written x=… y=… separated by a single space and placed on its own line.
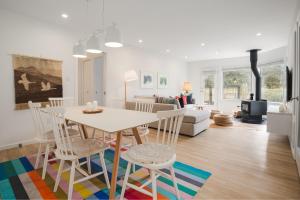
x=236 y=84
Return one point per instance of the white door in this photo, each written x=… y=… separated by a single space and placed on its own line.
x=88 y=81
x=98 y=80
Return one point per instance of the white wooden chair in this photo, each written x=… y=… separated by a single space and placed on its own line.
x=63 y=102
x=156 y=156
x=70 y=149
x=43 y=135
x=143 y=130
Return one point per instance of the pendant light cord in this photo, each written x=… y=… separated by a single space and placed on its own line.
x=103 y=15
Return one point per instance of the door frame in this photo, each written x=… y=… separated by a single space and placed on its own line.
x=80 y=76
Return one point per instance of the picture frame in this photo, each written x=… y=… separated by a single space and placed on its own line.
x=36 y=79
x=162 y=81
x=147 y=80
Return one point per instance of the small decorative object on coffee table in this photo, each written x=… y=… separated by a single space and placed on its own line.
x=214 y=112
x=223 y=120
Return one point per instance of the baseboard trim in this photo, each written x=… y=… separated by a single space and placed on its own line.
x=13 y=145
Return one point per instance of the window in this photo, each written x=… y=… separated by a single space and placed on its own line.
x=209 y=88
x=236 y=84
x=273 y=79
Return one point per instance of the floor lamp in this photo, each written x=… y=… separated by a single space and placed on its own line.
x=129 y=77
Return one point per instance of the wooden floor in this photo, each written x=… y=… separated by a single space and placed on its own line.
x=245 y=162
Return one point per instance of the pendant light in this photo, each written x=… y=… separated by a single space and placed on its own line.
x=113 y=37
x=93 y=45
x=79 y=50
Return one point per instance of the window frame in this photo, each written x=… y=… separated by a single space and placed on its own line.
x=276 y=63
x=236 y=69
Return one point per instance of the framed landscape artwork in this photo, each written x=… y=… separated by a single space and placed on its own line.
x=162 y=81
x=147 y=80
x=36 y=79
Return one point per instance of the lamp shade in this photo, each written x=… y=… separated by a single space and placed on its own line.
x=93 y=45
x=131 y=76
x=187 y=86
x=113 y=37
x=79 y=50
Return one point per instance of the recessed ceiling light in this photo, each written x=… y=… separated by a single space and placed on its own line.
x=64 y=15
x=186 y=57
x=140 y=41
x=258 y=34
x=217 y=53
x=168 y=50
x=202 y=44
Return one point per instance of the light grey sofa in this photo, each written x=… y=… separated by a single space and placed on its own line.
x=194 y=121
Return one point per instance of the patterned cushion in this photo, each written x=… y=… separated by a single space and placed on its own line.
x=169 y=101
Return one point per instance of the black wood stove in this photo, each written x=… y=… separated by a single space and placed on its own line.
x=253 y=110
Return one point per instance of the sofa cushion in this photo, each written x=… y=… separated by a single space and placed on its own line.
x=195 y=116
x=169 y=101
x=189 y=98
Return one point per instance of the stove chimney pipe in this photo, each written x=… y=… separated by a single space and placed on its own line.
x=253 y=61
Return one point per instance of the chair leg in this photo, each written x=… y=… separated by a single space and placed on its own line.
x=125 y=180
x=71 y=180
x=154 y=187
x=80 y=132
x=60 y=170
x=93 y=134
x=88 y=159
x=146 y=139
x=46 y=161
x=39 y=154
x=102 y=162
x=175 y=182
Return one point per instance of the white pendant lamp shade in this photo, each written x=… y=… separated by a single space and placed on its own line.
x=113 y=37
x=79 y=50
x=93 y=45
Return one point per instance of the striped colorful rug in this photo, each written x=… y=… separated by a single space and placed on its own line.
x=19 y=180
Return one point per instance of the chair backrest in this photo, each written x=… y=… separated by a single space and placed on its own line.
x=169 y=126
x=144 y=107
x=39 y=126
x=61 y=101
x=61 y=133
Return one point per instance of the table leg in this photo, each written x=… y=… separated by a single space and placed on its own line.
x=137 y=135
x=83 y=128
x=116 y=167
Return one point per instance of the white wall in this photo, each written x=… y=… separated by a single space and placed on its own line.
x=195 y=69
x=27 y=36
x=118 y=61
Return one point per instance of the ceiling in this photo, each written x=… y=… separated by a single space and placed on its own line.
x=227 y=27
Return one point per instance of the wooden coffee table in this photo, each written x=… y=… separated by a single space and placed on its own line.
x=213 y=113
x=223 y=120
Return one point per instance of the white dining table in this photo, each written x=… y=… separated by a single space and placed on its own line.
x=111 y=121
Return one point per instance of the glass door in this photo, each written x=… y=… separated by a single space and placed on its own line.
x=209 y=88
